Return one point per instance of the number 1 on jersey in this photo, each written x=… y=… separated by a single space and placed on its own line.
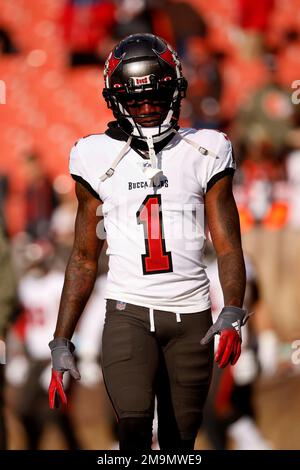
x=157 y=259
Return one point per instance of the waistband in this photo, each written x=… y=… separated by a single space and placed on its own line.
x=121 y=306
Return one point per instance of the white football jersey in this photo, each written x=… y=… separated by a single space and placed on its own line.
x=88 y=337
x=40 y=296
x=155 y=233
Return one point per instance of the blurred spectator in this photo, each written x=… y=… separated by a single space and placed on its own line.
x=7 y=308
x=39 y=198
x=3 y=196
x=176 y=21
x=186 y=23
x=268 y=114
x=7 y=45
x=264 y=128
x=255 y=16
x=260 y=187
x=132 y=16
x=63 y=222
x=87 y=26
x=205 y=85
x=293 y=178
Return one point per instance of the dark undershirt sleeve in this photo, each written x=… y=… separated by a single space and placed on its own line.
x=218 y=176
x=84 y=183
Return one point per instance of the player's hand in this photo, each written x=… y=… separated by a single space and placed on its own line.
x=62 y=361
x=229 y=348
x=56 y=390
x=228 y=326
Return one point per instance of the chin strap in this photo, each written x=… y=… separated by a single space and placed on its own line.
x=202 y=150
x=117 y=160
x=153 y=173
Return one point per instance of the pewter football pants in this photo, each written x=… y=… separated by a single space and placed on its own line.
x=168 y=362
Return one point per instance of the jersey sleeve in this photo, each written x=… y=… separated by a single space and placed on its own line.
x=222 y=164
x=79 y=172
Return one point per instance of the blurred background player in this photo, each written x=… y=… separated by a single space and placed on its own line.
x=29 y=368
x=39 y=292
x=229 y=417
x=8 y=307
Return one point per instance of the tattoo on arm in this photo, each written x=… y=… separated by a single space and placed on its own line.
x=224 y=226
x=232 y=277
x=82 y=267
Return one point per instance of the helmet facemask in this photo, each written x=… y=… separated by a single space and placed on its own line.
x=144 y=68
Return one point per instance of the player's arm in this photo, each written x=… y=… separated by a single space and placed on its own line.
x=224 y=226
x=81 y=273
x=223 y=223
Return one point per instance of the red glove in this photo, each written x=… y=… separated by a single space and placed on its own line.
x=229 y=348
x=228 y=326
x=56 y=390
x=62 y=361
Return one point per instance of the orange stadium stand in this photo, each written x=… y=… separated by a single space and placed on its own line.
x=49 y=105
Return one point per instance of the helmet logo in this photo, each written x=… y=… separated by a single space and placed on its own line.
x=141 y=80
x=111 y=64
x=169 y=57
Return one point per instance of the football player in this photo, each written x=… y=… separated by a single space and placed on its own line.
x=8 y=308
x=157 y=187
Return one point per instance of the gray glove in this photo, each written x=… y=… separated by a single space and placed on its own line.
x=62 y=356
x=229 y=318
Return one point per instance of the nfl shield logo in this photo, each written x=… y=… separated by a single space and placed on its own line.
x=120 y=305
